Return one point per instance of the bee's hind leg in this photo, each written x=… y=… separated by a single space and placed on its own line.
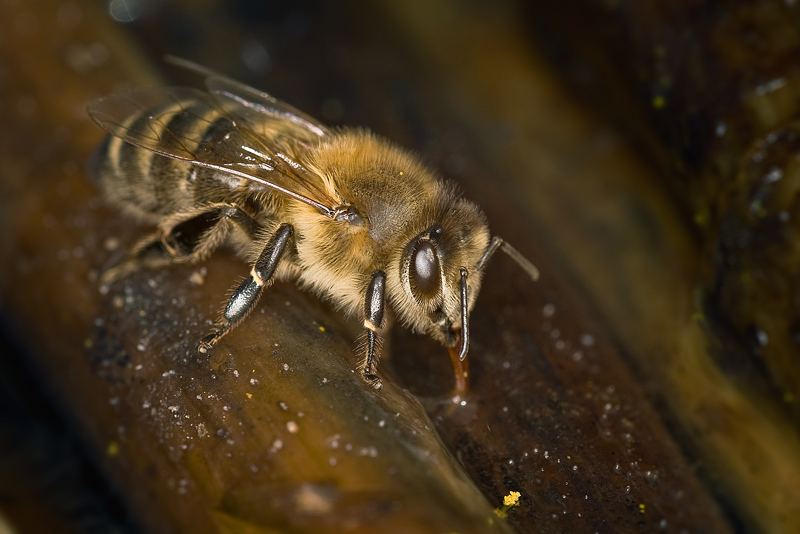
x=246 y=296
x=189 y=236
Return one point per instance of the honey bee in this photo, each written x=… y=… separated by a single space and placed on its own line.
x=344 y=213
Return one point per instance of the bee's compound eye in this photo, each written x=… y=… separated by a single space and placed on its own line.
x=425 y=273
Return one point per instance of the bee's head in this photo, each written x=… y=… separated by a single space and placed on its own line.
x=433 y=298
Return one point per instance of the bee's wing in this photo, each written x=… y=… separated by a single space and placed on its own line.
x=227 y=133
x=249 y=97
x=255 y=101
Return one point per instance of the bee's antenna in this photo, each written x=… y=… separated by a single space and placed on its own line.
x=522 y=261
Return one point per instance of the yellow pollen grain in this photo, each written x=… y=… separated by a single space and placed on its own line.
x=512 y=499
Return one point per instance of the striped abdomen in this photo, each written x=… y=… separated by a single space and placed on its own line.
x=150 y=185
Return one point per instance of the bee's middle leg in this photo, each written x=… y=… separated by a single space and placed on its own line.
x=245 y=297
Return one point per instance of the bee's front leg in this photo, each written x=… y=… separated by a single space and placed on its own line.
x=373 y=319
x=246 y=296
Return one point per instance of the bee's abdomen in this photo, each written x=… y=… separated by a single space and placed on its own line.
x=148 y=184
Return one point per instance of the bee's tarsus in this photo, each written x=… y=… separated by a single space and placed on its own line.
x=211 y=339
x=373 y=380
x=208 y=342
x=148 y=253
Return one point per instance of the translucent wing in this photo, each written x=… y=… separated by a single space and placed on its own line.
x=260 y=103
x=249 y=97
x=236 y=130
